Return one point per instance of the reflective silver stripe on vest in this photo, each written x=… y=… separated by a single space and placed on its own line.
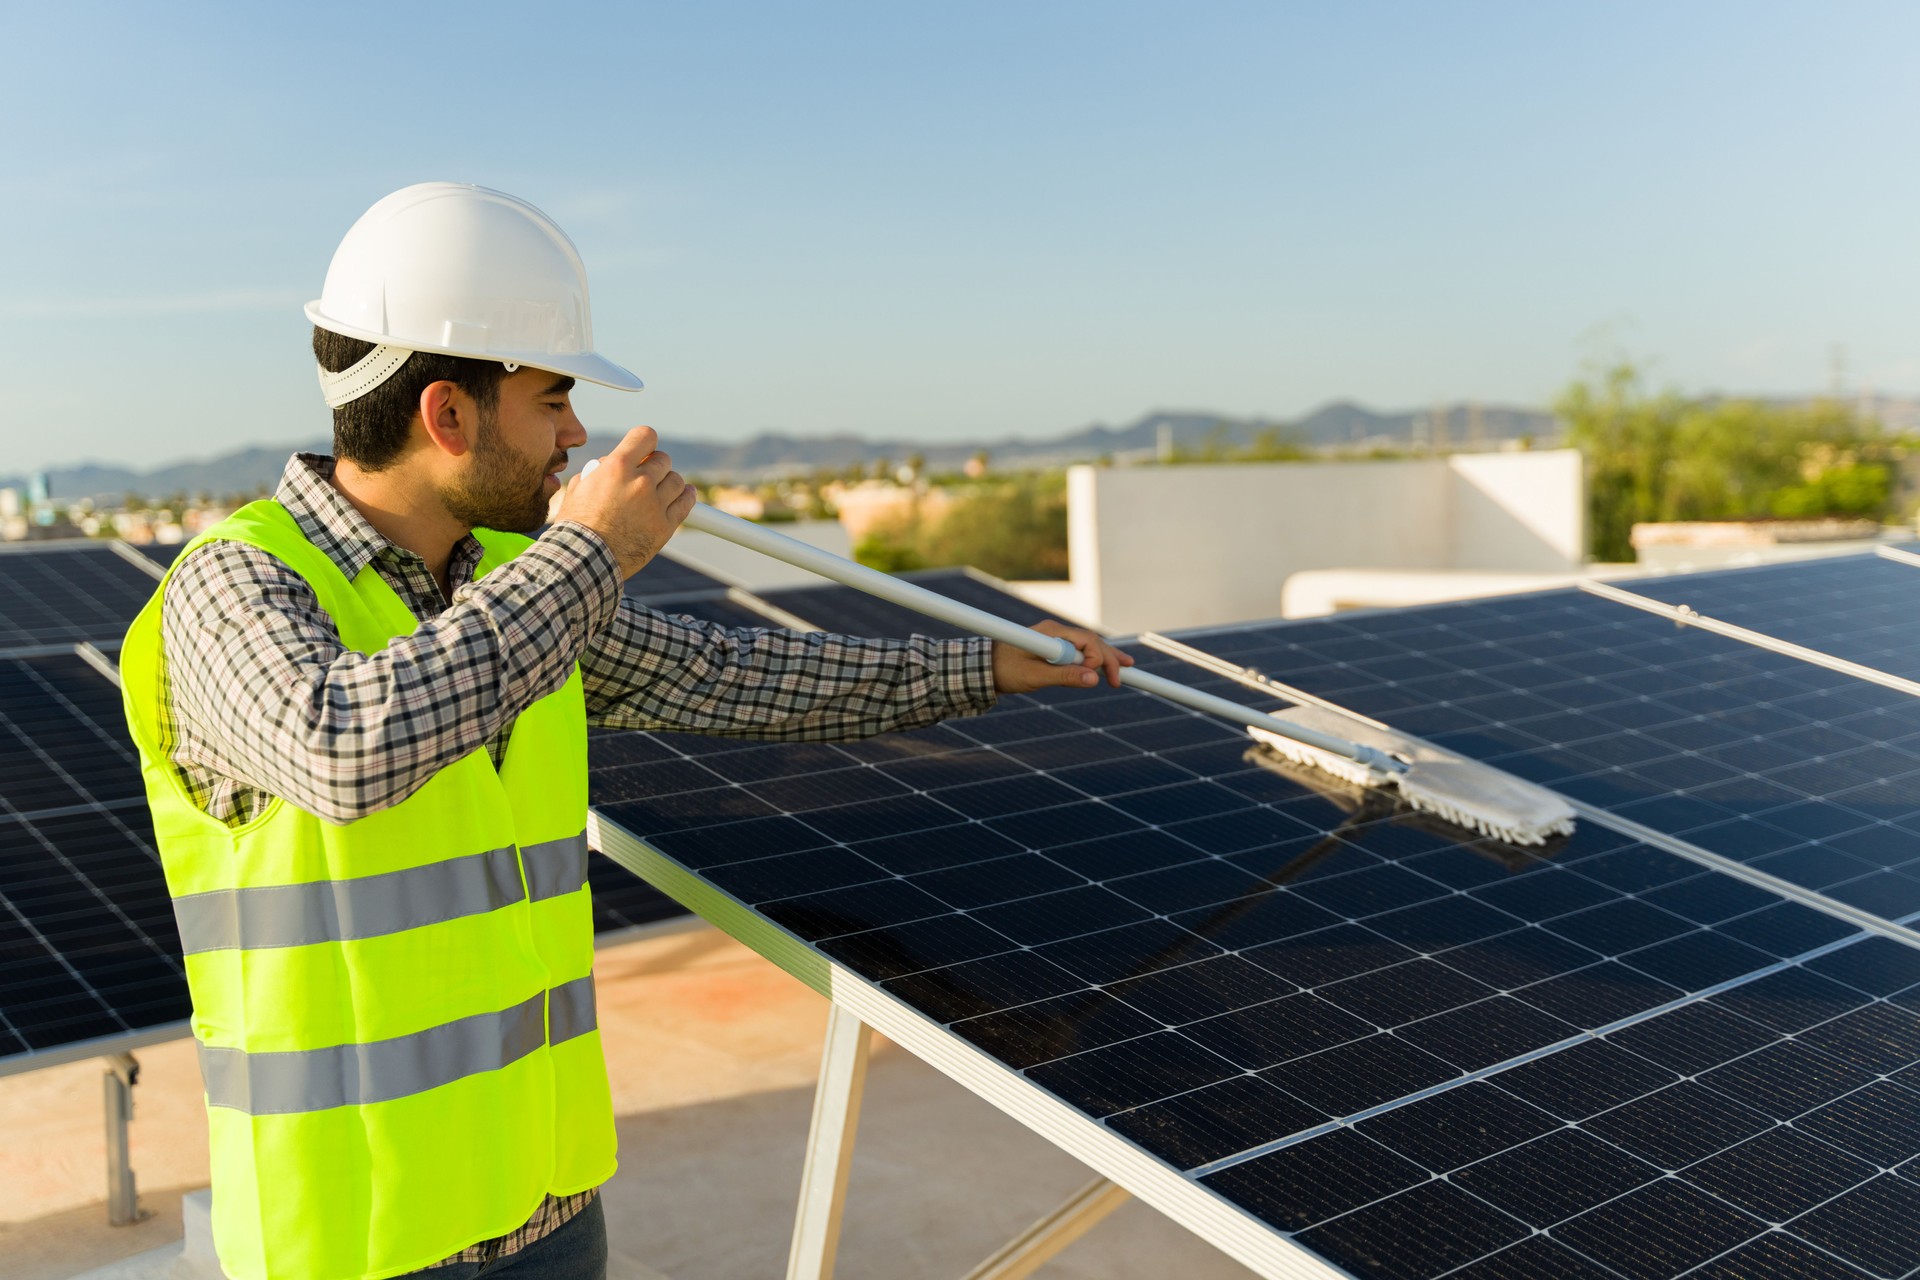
x=555 y=867
x=571 y=1010
x=265 y=1084
x=292 y=915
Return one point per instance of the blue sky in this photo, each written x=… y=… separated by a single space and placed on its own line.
x=960 y=222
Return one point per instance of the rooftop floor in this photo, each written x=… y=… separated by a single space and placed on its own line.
x=713 y=1054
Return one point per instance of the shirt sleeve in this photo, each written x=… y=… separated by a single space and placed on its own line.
x=274 y=699
x=651 y=670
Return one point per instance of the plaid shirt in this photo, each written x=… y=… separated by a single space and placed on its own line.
x=262 y=699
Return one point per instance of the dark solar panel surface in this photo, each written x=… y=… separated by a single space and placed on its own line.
x=1106 y=895
x=67 y=596
x=1795 y=770
x=87 y=941
x=833 y=607
x=1768 y=1131
x=161 y=553
x=664 y=578
x=672 y=587
x=1865 y=609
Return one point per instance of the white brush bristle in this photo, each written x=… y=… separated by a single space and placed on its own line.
x=1312 y=757
x=1469 y=795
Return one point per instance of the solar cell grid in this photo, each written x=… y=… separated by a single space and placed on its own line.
x=1795 y=770
x=833 y=607
x=1864 y=609
x=1212 y=995
x=63 y=738
x=68 y=595
x=1738 y=1131
x=87 y=941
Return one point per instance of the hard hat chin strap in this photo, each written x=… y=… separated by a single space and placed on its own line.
x=368 y=372
x=363 y=375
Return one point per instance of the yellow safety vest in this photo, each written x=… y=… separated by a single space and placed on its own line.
x=395 y=1016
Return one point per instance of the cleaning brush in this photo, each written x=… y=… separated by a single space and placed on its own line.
x=1469 y=795
x=1460 y=791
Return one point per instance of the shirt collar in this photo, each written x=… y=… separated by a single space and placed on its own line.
x=332 y=524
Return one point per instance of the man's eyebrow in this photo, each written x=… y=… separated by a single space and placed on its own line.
x=560 y=387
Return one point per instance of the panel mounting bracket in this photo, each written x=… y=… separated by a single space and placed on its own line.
x=123 y=1202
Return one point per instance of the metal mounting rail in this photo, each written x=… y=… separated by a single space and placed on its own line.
x=1688 y=617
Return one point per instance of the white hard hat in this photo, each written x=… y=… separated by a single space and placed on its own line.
x=465 y=271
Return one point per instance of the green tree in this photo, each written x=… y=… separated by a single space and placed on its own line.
x=1013 y=528
x=1016 y=529
x=1663 y=456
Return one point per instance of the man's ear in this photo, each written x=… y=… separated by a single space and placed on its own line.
x=449 y=417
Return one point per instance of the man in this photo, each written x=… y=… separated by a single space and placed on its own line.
x=361 y=709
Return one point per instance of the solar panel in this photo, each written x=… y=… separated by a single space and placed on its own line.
x=1756 y=1130
x=833 y=607
x=87 y=942
x=671 y=587
x=64 y=594
x=1863 y=609
x=161 y=553
x=665 y=578
x=1107 y=897
x=1791 y=769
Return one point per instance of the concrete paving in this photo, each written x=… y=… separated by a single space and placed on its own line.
x=713 y=1053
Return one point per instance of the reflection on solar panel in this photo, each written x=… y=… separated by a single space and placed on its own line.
x=1303 y=1003
x=833 y=607
x=1863 y=609
x=87 y=941
x=67 y=594
x=1792 y=769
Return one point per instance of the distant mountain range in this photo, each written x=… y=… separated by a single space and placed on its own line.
x=1341 y=425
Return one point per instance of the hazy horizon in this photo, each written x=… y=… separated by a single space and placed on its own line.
x=1007 y=220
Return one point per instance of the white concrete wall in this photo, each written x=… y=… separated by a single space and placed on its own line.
x=1165 y=547
x=1519 y=512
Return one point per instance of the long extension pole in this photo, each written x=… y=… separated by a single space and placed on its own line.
x=758 y=537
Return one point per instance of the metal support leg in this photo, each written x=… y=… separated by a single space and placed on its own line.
x=1027 y=1252
x=836 y=1114
x=123 y=1204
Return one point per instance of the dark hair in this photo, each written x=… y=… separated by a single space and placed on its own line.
x=372 y=431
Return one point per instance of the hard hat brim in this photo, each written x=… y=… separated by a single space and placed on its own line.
x=587 y=366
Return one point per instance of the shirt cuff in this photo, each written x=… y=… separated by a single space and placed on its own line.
x=966 y=668
x=583 y=558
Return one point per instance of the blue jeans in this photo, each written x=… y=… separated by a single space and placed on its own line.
x=577 y=1251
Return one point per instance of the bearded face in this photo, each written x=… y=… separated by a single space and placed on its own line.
x=500 y=489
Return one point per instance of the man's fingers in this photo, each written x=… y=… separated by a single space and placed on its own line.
x=1077 y=676
x=656 y=466
x=636 y=444
x=682 y=503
